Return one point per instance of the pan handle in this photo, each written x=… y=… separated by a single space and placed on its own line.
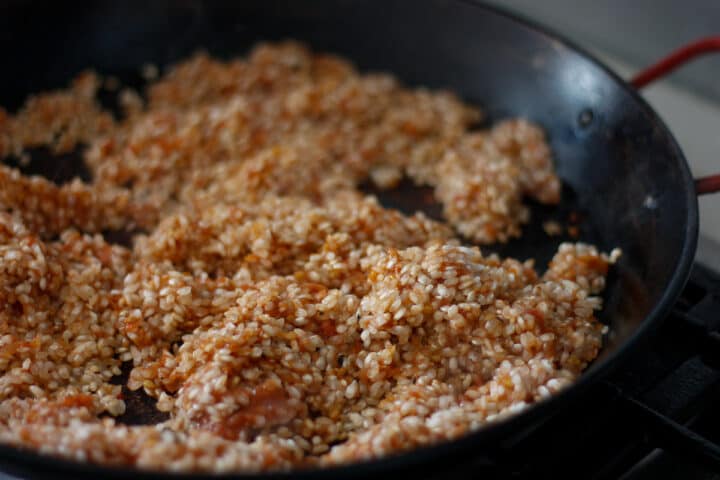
x=679 y=57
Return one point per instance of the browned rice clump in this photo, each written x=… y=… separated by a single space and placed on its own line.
x=278 y=316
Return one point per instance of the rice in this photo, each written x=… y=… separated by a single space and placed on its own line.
x=279 y=317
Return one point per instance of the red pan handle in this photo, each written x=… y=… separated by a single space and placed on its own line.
x=703 y=185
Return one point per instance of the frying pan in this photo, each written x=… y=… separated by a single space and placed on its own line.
x=625 y=178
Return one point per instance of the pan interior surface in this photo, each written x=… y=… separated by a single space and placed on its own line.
x=625 y=180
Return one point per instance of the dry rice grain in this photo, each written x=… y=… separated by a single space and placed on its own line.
x=278 y=316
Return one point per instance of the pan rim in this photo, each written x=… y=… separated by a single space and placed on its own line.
x=39 y=465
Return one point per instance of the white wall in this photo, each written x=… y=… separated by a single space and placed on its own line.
x=637 y=31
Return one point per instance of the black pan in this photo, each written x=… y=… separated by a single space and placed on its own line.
x=624 y=175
